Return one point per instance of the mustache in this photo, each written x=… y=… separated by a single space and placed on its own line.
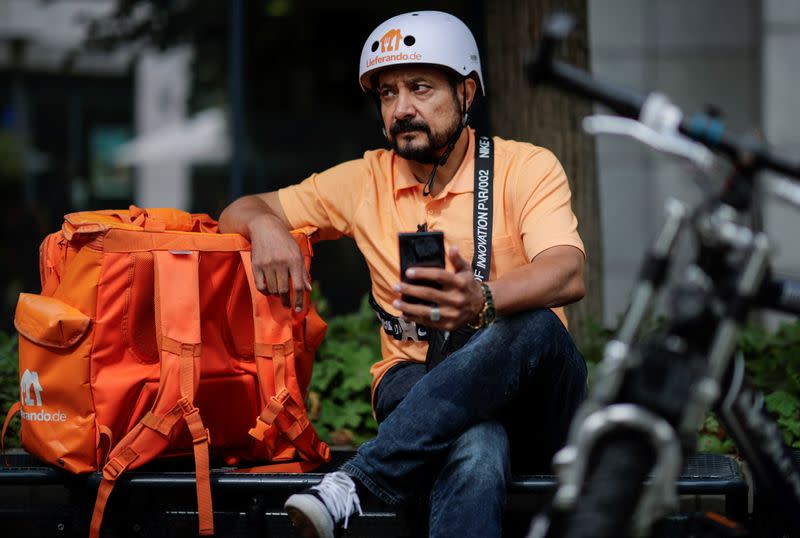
x=407 y=126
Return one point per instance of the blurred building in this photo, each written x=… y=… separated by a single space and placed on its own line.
x=64 y=111
x=739 y=55
x=66 y=106
x=72 y=106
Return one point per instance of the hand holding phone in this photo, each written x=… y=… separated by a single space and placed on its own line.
x=420 y=249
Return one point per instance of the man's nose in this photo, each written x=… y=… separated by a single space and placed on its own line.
x=405 y=106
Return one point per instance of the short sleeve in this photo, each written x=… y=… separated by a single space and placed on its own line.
x=542 y=201
x=327 y=200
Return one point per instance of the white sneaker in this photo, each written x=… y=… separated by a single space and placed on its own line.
x=317 y=511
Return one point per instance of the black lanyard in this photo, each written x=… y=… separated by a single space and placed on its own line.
x=482 y=208
x=481 y=238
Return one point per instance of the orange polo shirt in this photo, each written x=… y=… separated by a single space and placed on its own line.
x=374 y=198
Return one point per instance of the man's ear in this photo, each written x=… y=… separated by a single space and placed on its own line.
x=470 y=86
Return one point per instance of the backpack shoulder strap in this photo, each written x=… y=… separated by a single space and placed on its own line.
x=177 y=314
x=12 y=411
x=274 y=354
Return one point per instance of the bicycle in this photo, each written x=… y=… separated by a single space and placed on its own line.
x=652 y=394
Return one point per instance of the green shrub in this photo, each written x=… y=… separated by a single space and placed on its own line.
x=341 y=407
x=712 y=437
x=773 y=364
x=595 y=337
x=9 y=384
x=772 y=359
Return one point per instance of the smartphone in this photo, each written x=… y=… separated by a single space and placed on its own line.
x=420 y=249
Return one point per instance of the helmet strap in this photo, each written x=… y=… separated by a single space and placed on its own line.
x=450 y=144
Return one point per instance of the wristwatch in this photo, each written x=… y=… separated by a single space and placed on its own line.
x=488 y=314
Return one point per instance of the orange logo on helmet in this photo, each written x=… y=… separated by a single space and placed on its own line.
x=390 y=42
x=388 y=37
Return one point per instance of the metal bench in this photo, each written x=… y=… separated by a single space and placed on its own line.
x=38 y=500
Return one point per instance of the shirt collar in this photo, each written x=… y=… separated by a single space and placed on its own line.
x=463 y=180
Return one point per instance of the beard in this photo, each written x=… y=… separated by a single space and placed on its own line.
x=429 y=152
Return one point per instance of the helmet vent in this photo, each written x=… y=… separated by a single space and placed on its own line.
x=409 y=40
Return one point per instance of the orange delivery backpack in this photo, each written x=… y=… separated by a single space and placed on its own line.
x=150 y=340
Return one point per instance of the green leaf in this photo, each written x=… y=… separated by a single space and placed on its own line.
x=331 y=415
x=710 y=443
x=323 y=375
x=353 y=415
x=711 y=424
x=782 y=403
x=790 y=426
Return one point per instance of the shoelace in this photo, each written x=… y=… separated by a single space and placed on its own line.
x=338 y=492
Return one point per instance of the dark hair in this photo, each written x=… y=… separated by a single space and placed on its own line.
x=453 y=78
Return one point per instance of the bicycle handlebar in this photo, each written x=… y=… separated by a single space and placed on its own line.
x=665 y=142
x=707 y=130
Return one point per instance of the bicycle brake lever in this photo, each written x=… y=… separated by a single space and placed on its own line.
x=670 y=142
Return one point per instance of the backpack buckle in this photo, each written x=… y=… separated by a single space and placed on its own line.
x=205 y=437
x=187 y=407
x=258 y=431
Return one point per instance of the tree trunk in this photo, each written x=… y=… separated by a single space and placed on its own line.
x=548 y=118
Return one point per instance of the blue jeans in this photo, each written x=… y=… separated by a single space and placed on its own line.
x=504 y=399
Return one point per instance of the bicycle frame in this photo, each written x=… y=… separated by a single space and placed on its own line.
x=663 y=387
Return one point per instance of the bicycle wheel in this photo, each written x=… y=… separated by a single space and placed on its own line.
x=617 y=470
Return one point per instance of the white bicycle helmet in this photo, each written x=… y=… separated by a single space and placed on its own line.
x=421 y=37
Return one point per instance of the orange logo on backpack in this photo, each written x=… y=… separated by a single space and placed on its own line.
x=31 y=395
x=28 y=383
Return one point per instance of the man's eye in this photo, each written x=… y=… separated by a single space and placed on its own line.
x=386 y=93
x=421 y=88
